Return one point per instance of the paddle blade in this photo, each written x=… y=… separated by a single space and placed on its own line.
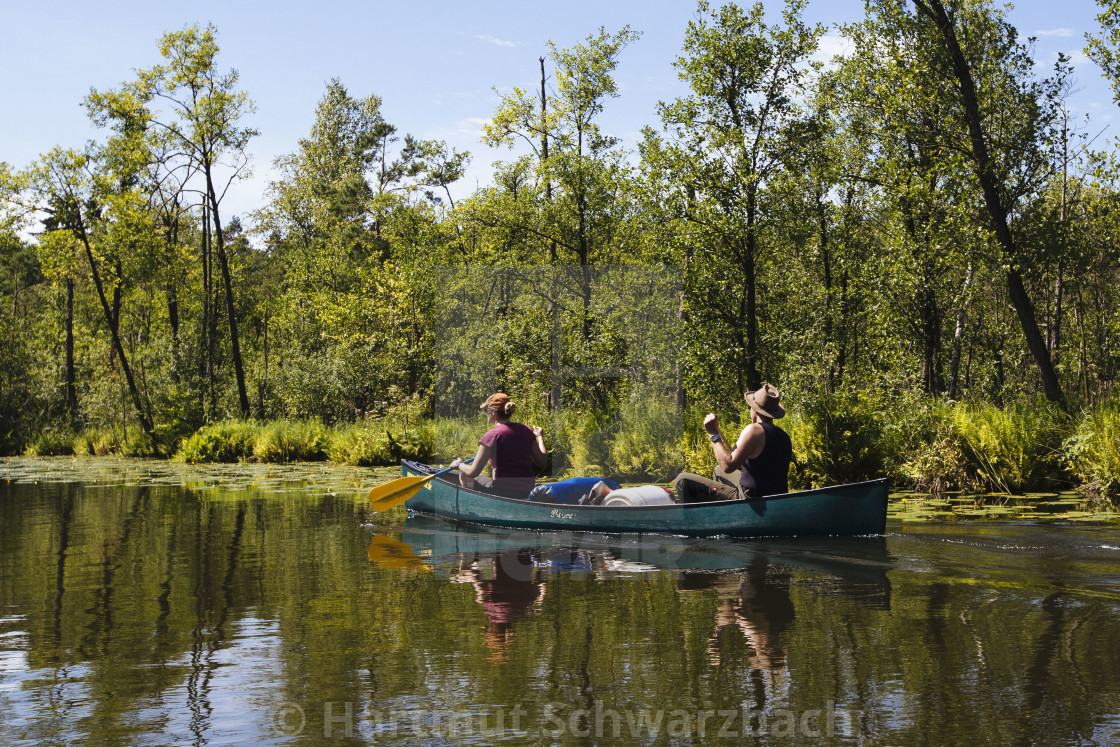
x=384 y=497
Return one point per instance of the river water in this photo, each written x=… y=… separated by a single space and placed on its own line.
x=149 y=603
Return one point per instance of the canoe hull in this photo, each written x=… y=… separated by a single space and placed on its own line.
x=844 y=510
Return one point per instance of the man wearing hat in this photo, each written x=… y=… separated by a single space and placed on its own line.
x=758 y=463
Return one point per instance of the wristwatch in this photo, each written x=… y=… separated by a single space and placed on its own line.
x=714 y=437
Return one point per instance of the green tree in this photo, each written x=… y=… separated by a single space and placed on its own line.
x=202 y=124
x=1004 y=119
x=68 y=187
x=730 y=138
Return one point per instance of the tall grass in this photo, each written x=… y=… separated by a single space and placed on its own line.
x=1093 y=453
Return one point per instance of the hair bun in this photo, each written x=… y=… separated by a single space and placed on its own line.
x=509 y=408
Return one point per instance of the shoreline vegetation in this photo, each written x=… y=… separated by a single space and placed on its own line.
x=935 y=449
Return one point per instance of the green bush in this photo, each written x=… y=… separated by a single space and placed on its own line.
x=1010 y=449
x=837 y=439
x=291 y=441
x=225 y=441
x=1093 y=453
x=922 y=448
x=374 y=445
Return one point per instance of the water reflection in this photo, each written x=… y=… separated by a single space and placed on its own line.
x=507 y=588
x=749 y=580
x=156 y=614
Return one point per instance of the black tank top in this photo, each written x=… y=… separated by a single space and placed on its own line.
x=768 y=473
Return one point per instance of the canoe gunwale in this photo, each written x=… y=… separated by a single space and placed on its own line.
x=426 y=469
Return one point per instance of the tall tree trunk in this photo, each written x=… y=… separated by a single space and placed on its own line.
x=145 y=423
x=173 y=320
x=682 y=307
x=749 y=267
x=997 y=211
x=555 y=375
x=958 y=336
x=71 y=397
x=231 y=311
x=205 y=360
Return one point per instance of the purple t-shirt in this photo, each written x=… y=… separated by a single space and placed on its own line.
x=511 y=449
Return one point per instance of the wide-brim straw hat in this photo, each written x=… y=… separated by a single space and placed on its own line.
x=766 y=402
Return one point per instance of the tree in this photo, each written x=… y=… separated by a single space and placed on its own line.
x=566 y=203
x=730 y=138
x=1006 y=122
x=203 y=129
x=66 y=187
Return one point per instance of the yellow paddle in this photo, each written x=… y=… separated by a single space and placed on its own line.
x=384 y=497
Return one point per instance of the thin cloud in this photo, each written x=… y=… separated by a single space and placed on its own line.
x=1062 y=32
x=499 y=42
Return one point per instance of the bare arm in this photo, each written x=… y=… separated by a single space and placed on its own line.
x=481 y=457
x=750 y=444
x=539 y=453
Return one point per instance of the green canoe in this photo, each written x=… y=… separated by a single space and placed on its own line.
x=843 y=510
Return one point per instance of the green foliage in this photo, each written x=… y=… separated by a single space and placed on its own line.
x=375 y=445
x=836 y=439
x=1013 y=448
x=1093 y=452
x=291 y=441
x=226 y=441
x=648 y=442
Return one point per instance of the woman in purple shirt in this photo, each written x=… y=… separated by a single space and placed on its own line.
x=514 y=451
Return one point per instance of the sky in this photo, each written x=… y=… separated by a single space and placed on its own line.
x=438 y=66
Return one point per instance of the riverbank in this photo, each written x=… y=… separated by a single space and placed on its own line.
x=932 y=448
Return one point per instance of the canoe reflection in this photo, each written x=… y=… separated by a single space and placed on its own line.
x=750 y=578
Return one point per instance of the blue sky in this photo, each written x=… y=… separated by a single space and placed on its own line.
x=435 y=64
